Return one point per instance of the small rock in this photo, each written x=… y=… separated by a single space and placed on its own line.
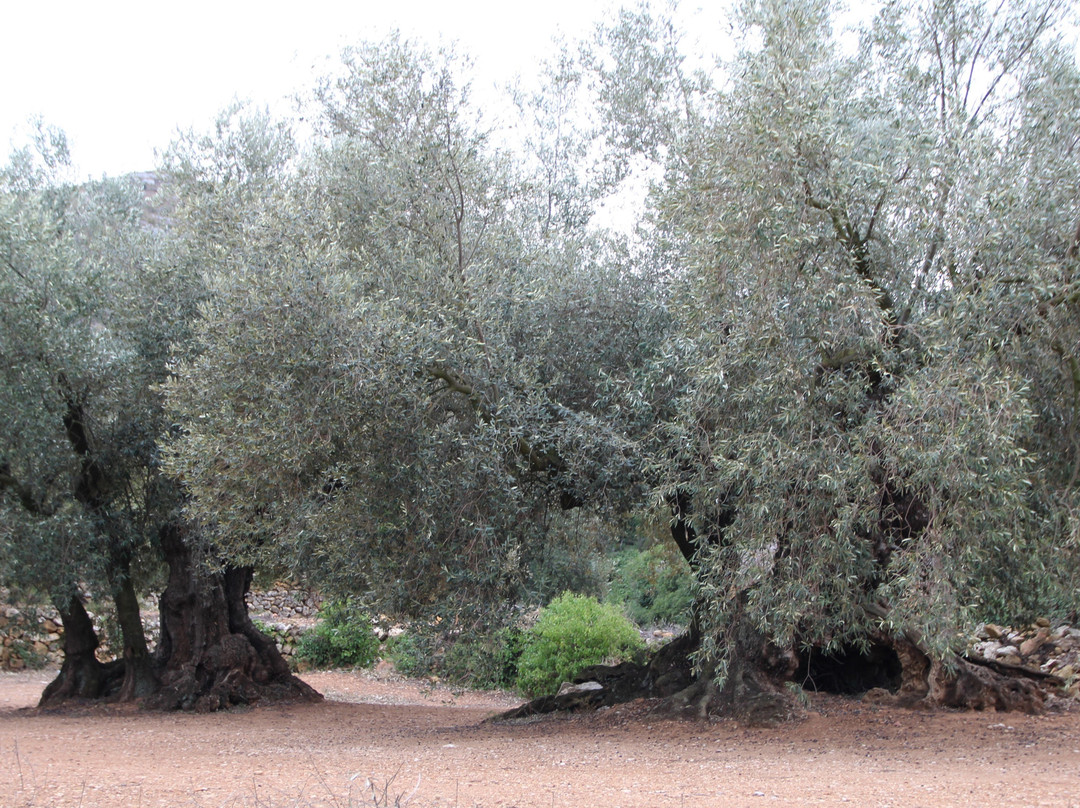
x=988 y=650
x=879 y=695
x=1042 y=622
x=584 y=687
x=994 y=632
x=1008 y=650
x=1033 y=644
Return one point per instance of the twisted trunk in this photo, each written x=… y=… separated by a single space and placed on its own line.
x=758 y=689
x=139 y=677
x=211 y=656
x=82 y=676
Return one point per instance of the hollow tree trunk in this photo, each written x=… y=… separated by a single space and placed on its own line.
x=755 y=689
x=82 y=676
x=210 y=655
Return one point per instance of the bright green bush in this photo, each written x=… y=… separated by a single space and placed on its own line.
x=343 y=638
x=654 y=585
x=573 y=632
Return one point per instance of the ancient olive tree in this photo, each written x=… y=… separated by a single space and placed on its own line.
x=85 y=332
x=865 y=272
x=393 y=373
x=94 y=307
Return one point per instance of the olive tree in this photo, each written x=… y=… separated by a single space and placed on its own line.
x=398 y=365
x=857 y=454
x=86 y=331
x=97 y=300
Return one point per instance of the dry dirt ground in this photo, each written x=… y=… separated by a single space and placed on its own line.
x=407 y=740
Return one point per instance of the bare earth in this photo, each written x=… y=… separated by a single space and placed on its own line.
x=374 y=728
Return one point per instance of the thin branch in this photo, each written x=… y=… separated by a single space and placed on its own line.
x=978 y=50
x=1008 y=66
x=15 y=269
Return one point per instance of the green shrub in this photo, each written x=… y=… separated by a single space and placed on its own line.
x=655 y=586
x=485 y=660
x=413 y=653
x=573 y=632
x=343 y=638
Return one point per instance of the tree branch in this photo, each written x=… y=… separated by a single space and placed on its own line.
x=30 y=503
x=538 y=459
x=855 y=245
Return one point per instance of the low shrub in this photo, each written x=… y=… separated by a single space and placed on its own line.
x=413 y=653
x=485 y=660
x=343 y=638
x=655 y=586
x=31 y=657
x=572 y=633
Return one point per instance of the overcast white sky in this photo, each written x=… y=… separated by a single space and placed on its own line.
x=121 y=76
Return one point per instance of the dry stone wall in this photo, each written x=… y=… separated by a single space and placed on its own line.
x=282 y=602
x=29 y=637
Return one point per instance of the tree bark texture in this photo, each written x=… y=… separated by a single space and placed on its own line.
x=211 y=656
x=140 y=678
x=82 y=676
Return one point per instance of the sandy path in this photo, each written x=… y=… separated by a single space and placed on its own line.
x=323 y=754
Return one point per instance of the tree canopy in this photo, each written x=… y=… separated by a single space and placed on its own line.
x=390 y=350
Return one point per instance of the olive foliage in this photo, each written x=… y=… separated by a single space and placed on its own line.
x=86 y=325
x=872 y=250
x=398 y=361
x=396 y=357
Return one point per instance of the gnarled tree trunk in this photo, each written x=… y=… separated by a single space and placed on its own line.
x=82 y=676
x=210 y=655
x=757 y=689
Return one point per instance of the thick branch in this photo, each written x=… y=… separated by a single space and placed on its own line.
x=30 y=503
x=456 y=384
x=848 y=236
x=538 y=459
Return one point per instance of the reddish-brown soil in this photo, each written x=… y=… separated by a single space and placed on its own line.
x=429 y=742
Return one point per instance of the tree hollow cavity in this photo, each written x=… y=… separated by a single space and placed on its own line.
x=850 y=670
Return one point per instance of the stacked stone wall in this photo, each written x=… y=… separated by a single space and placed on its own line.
x=29 y=638
x=282 y=602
